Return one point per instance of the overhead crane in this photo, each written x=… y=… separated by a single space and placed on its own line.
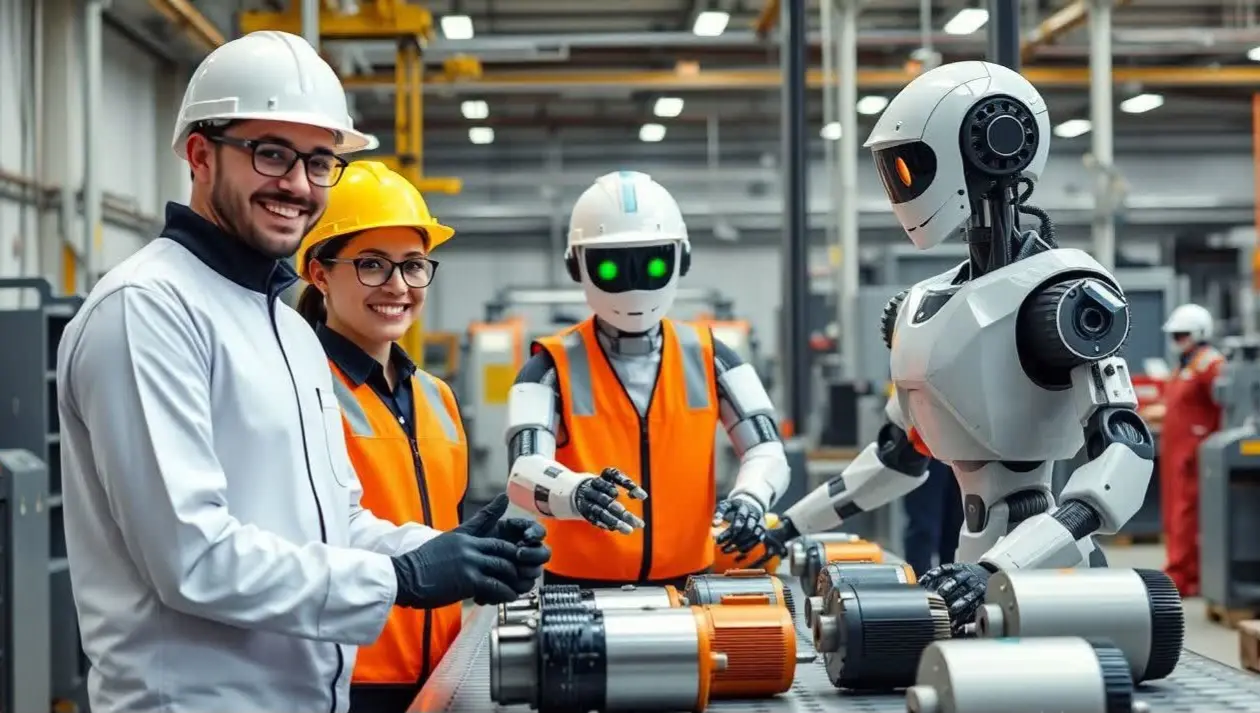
x=411 y=27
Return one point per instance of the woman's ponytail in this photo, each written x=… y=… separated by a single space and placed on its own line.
x=311 y=306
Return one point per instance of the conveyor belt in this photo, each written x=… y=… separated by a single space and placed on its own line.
x=461 y=684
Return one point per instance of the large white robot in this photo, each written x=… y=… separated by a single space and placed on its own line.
x=1003 y=364
x=628 y=247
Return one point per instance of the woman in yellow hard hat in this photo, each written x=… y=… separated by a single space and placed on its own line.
x=367 y=262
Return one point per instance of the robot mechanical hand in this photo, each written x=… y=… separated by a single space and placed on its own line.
x=776 y=540
x=747 y=523
x=596 y=500
x=963 y=587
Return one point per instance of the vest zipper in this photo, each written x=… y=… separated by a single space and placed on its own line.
x=428 y=520
x=310 y=477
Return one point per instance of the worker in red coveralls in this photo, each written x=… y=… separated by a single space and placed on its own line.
x=1189 y=414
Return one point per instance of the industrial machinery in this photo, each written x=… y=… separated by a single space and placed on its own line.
x=871 y=636
x=1229 y=470
x=1012 y=676
x=699 y=590
x=675 y=659
x=808 y=555
x=855 y=573
x=1139 y=610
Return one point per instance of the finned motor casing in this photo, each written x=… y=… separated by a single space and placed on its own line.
x=1139 y=610
x=706 y=589
x=1061 y=674
x=859 y=573
x=807 y=562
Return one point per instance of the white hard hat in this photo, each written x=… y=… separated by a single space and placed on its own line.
x=625 y=208
x=1190 y=319
x=272 y=76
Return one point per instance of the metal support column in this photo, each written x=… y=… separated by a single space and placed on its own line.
x=847 y=58
x=1004 y=36
x=1100 y=107
x=93 y=59
x=310 y=22
x=794 y=354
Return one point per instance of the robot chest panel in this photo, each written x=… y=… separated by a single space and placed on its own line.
x=959 y=378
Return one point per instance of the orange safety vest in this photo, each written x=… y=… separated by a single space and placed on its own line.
x=670 y=453
x=405 y=481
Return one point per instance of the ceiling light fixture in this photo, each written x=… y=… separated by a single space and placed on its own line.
x=457 y=27
x=872 y=104
x=1073 y=128
x=967 y=21
x=474 y=109
x=1253 y=54
x=831 y=132
x=481 y=135
x=668 y=107
x=711 y=23
x=651 y=133
x=1142 y=103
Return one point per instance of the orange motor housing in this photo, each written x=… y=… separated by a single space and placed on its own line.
x=755 y=643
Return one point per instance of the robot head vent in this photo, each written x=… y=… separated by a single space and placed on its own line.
x=999 y=136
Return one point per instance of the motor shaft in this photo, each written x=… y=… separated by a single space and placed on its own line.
x=1065 y=675
x=1139 y=610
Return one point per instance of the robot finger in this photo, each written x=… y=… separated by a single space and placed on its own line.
x=603 y=486
x=722 y=513
x=749 y=538
x=615 y=523
x=619 y=478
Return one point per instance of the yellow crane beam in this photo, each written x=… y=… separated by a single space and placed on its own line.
x=376 y=20
x=1061 y=22
x=767 y=18
x=710 y=80
x=190 y=21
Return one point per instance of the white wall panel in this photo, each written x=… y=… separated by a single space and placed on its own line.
x=17 y=222
x=129 y=98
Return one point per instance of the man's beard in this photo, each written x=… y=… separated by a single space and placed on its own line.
x=233 y=209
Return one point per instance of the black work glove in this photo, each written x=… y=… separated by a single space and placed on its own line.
x=776 y=540
x=747 y=524
x=455 y=566
x=962 y=585
x=596 y=501
x=489 y=522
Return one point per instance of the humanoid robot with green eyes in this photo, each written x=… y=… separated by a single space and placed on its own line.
x=611 y=422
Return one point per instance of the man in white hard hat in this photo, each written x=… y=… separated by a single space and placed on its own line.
x=1187 y=415
x=219 y=555
x=630 y=397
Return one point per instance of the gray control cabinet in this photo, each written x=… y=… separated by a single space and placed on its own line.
x=25 y=624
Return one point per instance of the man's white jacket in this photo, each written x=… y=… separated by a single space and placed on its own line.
x=220 y=559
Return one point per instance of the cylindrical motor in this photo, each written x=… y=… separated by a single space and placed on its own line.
x=838 y=573
x=704 y=589
x=1065 y=675
x=807 y=561
x=554 y=595
x=1139 y=610
x=871 y=636
x=576 y=660
x=726 y=561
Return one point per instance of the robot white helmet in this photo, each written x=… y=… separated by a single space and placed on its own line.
x=627 y=246
x=1190 y=319
x=922 y=153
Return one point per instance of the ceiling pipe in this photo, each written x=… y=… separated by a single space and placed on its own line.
x=745 y=79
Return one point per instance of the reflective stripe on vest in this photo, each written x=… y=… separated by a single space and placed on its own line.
x=605 y=430
x=381 y=453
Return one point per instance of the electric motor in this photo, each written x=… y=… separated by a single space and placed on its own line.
x=573 y=660
x=872 y=635
x=1065 y=675
x=703 y=589
x=807 y=560
x=1138 y=609
x=838 y=573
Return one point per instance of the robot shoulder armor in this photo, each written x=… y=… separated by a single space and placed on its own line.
x=1069 y=320
x=888 y=321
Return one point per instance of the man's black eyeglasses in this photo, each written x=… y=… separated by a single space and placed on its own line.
x=375 y=271
x=276 y=160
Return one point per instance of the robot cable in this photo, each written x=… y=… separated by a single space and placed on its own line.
x=1046 y=236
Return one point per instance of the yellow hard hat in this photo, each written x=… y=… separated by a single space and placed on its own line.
x=368 y=196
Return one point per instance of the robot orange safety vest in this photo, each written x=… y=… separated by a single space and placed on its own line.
x=670 y=453
x=401 y=485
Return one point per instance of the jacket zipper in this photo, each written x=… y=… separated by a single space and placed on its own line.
x=428 y=520
x=645 y=454
x=310 y=477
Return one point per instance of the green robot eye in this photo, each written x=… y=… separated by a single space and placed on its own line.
x=656 y=267
x=607 y=270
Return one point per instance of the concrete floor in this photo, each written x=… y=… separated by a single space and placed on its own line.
x=1202 y=636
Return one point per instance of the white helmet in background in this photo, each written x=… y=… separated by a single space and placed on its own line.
x=1190 y=319
x=920 y=152
x=628 y=246
x=270 y=76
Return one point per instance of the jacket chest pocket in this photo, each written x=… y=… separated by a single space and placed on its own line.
x=332 y=429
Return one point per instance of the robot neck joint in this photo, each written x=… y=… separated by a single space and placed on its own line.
x=626 y=343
